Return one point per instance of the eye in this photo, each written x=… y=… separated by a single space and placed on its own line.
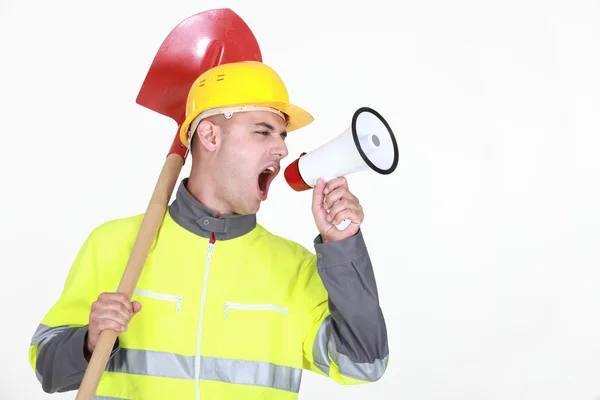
x=264 y=133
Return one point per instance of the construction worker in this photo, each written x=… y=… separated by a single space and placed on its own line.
x=223 y=309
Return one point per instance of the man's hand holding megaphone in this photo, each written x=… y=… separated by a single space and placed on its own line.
x=333 y=203
x=367 y=144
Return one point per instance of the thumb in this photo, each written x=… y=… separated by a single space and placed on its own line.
x=136 y=307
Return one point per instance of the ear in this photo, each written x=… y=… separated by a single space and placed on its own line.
x=207 y=135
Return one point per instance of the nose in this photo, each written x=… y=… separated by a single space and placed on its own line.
x=280 y=149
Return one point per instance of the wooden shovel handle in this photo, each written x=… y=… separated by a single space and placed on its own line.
x=151 y=222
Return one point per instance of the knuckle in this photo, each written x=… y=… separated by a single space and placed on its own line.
x=119 y=297
x=343 y=203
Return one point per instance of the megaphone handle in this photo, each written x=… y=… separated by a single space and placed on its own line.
x=345 y=223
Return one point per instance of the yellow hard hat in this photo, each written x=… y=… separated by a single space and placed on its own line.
x=240 y=86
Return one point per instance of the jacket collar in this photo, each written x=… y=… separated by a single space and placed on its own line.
x=194 y=216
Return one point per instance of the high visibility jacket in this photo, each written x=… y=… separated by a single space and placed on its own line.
x=229 y=311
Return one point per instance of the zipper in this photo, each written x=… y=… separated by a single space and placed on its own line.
x=159 y=296
x=211 y=245
x=240 y=306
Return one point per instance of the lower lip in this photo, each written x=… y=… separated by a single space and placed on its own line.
x=262 y=195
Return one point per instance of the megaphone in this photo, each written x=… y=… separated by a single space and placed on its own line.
x=367 y=144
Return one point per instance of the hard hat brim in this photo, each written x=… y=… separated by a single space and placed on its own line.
x=297 y=117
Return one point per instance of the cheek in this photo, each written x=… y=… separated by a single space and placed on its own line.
x=239 y=162
x=238 y=166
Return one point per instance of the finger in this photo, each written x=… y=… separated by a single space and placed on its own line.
x=112 y=315
x=115 y=297
x=337 y=195
x=318 y=196
x=103 y=324
x=334 y=184
x=353 y=215
x=121 y=308
x=341 y=205
x=112 y=309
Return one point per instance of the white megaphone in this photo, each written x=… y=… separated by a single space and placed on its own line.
x=368 y=144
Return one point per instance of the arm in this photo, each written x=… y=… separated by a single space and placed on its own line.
x=57 y=352
x=346 y=336
x=60 y=356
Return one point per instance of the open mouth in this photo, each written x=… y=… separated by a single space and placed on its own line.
x=265 y=178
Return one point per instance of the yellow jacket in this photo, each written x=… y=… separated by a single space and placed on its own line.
x=239 y=318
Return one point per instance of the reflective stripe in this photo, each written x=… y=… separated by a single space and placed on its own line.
x=363 y=371
x=320 y=353
x=170 y=365
x=252 y=373
x=326 y=345
x=152 y=363
x=44 y=332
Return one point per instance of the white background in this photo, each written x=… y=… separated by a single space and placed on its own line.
x=485 y=240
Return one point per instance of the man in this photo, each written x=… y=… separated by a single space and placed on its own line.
x=223 y=309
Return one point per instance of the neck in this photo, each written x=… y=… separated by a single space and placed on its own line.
x=203 y=189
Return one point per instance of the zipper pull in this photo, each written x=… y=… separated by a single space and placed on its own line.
x=225 y=310
x=178 y=306
x=211 y=245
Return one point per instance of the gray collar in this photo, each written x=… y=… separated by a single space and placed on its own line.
x=198 y=219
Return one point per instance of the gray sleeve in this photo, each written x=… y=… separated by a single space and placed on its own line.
x=354 y=336
x=61 y=361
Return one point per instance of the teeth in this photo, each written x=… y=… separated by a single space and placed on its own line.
x=269 y=170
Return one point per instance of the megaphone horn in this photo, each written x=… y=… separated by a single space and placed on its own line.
x=367 y=144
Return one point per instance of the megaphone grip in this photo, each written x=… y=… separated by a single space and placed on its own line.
x=343 y=225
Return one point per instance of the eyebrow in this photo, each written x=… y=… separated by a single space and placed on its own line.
x=270 y=127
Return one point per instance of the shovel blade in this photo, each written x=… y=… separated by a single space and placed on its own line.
x=200 y=42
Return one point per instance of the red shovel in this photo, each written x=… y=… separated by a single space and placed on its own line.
x=197 y=44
